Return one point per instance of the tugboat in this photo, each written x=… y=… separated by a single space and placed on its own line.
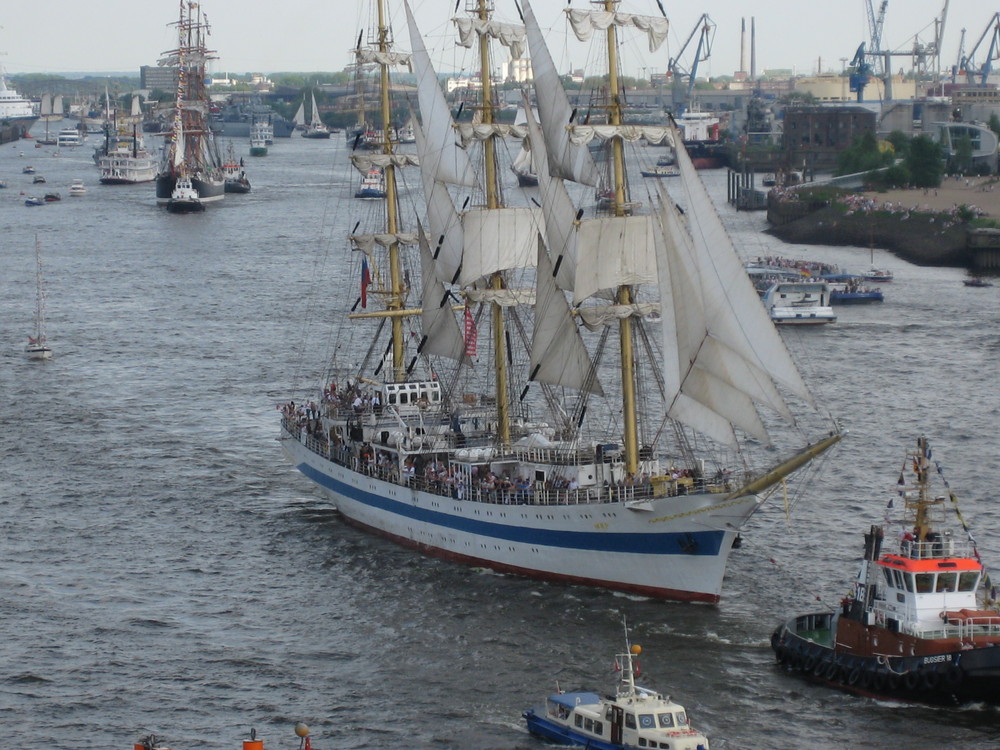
x=922 y=623
x=633 y=717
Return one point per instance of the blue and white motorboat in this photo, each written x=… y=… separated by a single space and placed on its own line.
x=372 y=185
x=633 y=717
x=848 y=289
x=799 y=303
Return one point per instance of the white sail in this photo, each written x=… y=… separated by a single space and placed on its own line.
x=45 y=106
x=136 y=110
x=314 y=120
x=442 y=335
x=300 y=114
x=443 y=156
x=508 y=34
x=566 y=160
x=614 y=251
x=558 y=354
x=736 y=315
x=498 y=239
x=557 y=207
x=446 y=236
x=586 y=22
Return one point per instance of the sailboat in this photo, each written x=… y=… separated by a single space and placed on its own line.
x=38 y=346
x=299 y=119
x=191 y=152
x=520 y=440
x=50 y=110
x=315 y=128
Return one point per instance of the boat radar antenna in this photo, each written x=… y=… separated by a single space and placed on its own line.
x=629 y=668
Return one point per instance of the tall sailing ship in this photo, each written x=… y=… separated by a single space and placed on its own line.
x=191 y=152
x=636 y=333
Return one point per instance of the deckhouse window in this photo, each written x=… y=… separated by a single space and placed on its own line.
x=647 y=721
x=578 y=720
x=598 y=728
x=666 y=720
x=898 y=578
x=630 y=721
x=681 y=719
x=968 y=581
x=908 y=580
x=947 y=582
x=925 y=583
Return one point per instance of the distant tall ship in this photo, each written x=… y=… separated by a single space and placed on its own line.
x=14 y=108
x=191 y=153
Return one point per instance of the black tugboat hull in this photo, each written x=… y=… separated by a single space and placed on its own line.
x=950 y=678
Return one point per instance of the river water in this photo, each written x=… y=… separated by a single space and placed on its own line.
x=163 y=569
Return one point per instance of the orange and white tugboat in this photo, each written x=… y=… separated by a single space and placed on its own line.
x=922 y=623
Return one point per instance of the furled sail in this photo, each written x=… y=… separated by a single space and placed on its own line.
x=367 y=242
x=566 y=160
x=508 y=34
x=586 y=22
x=367 y=55
x=558 y=354
x=363 y=162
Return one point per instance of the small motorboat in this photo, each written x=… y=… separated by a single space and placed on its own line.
x=633 y=717
x=32 y=200
x=670 y=170
x=77 y=188
x=37 y=180
x=184 y=198
x=52 y=197
x=372 y=185
x=28 y=169
x=977 y=281
x=877 y=274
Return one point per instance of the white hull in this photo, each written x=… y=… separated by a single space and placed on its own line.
x=672 y=548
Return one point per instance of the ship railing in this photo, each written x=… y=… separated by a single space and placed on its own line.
x=963 y=631
x=449 y=486
x=935 y=547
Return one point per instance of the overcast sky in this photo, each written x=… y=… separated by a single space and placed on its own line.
x=75 y=36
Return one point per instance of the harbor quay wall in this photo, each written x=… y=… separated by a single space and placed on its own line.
x=984 y=246
x=927 y=239
x=10 y=133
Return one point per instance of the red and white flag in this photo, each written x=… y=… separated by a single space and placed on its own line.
x=470 y=333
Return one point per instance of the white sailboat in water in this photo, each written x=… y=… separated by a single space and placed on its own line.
x=38 y=345
x=551 y=434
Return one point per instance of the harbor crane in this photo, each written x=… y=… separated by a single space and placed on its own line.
x=705 y=30
x=875 y=25
x=920 y=54
x=982 y=71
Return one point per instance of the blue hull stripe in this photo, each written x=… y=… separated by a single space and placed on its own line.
x=706 y=543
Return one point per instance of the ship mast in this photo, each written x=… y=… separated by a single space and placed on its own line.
x=492 y=202
x=624 y=292
x=394 y=301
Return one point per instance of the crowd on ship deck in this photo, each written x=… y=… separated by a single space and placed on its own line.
x=431 y=473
